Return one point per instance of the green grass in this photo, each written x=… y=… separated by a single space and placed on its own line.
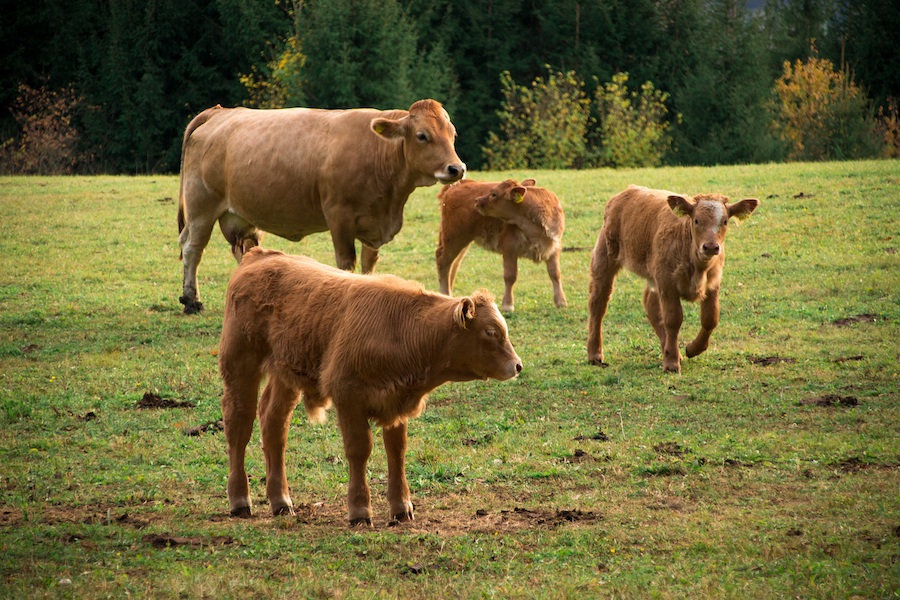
x=727 y=481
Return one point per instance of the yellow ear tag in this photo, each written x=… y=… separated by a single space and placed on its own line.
x=519 y=198
x=379 y=128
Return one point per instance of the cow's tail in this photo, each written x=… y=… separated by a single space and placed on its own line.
x=192 y=126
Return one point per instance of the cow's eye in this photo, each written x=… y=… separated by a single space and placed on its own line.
x=725 y=223
x=422 y=136
x=491 y=332
x=696 y=221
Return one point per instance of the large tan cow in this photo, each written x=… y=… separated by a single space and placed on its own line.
x=515 y=220
x=676 y=243
x=374 y=346
x=297 y=171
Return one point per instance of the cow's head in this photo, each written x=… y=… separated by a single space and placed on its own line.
x=428 y=137
x=503 y=200
x=480 y=344
x=709 y=214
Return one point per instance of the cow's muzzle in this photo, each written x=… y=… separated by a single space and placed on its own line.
x=451 y=173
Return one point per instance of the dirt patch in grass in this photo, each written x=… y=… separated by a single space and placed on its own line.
x=766 y=361
x=673 y=448
x=151 y=400
x=211 y=426
x=165 y=540
x=831 y=400
x=861 y=318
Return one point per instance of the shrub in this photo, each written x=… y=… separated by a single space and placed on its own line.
x=47 y=141
x=541 y=127
x=634 y=125
x=821 y=114
x=887 y=127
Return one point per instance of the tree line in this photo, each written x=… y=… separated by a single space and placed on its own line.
x=108 y=86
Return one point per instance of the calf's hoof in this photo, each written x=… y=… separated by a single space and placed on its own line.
x=242 y=512
x=691 y=351
x=407 y=515
x=672 y=368
x=192 y=306
x=597 y=361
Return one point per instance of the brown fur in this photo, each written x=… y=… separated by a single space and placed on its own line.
x=676 y=243
x=298 y=171
x=504 y=217
x=374 y=346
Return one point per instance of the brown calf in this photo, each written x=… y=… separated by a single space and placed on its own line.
x=675 y=242
x=374 y=346
x=508 y=218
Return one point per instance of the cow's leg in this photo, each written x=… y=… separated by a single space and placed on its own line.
x=454 y=268
x=603 y=277
x=559 y=297
x=510 y=274
x=275 y=409
x=398 y=488
x=357 y=438
x=654 y=315
x=672 y=316
x=368 y=260
x=709 y=320
x=239 y=402
x=343 y=237
x=193 y=239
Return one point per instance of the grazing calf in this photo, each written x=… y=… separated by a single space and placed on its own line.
x=374 y=346
x=676 y=243
x=508 y=218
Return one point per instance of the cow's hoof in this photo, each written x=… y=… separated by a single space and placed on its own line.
x=191 y=306
x=242 y=512
x=361 y=521
x=672 y=369
x=404 y=516
x=598 y=362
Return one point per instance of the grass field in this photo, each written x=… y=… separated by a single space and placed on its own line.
x=769 y=468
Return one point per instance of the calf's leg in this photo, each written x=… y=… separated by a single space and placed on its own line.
x=275 y=409
x=398 y=488
x=447 y=257
x=510 y=274
x=239 y=403
x=672 y=317
x=709 y=320
x=559 y=297
x=654 y=314
x=603 y=277
x=357 y=438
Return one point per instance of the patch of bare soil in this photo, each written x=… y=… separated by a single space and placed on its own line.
x=151 y=400
x=165 y=540
x=599 y=437
x=861 y=318
x=213 y=426
x=844 y=359
x=673 y=448
x=831 y=400
x=766 y=361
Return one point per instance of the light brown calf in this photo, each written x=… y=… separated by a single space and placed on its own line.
x=675 y=242
x=508 y=218
x=374 y=346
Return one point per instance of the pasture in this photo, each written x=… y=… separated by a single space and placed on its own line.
x=769 y=468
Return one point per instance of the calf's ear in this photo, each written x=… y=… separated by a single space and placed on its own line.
x=529 y=182
x=464 y=312
x=389 y=128
x=743 y=209
x=518 y=193
x=680 y=206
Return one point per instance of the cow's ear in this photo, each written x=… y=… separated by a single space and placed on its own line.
x=529 y=182
x=464 y=312
x=388 y=128
x=680 y=205
x=743 y=209
x=518 y=193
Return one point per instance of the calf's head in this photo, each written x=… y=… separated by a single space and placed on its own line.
x=428 y=137
x=503 y=200
x=709 y=215
x=479 y=347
